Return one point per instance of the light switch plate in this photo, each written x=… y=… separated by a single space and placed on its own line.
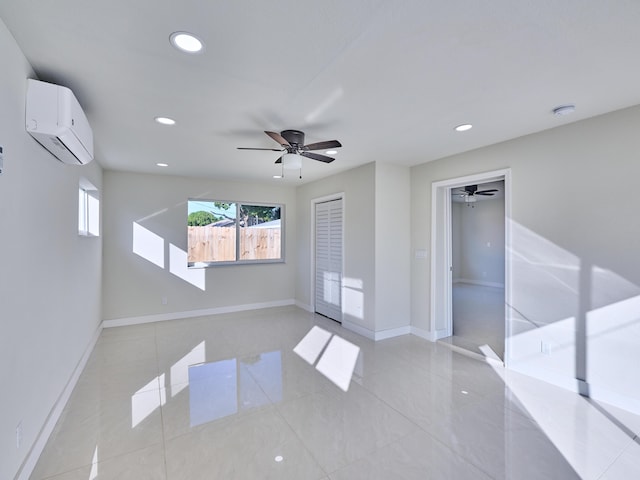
x=1 y=159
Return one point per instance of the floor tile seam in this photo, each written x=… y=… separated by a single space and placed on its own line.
x=70 y=469
x=228 y=420
x=388 y=405
x=488 y=399
x=376 y=448
x=259 y=385
x=456 y=453
x=608 y=467
x=301 y=441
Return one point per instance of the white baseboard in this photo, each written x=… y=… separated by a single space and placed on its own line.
x=392 y=332
x=304 y=306
x=376 y=336
x=26 y=469
x=365 y=332
x=162 y=317
x=419 y=332
x=480 y=283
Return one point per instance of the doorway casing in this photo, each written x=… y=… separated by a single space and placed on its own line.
x=441 y=321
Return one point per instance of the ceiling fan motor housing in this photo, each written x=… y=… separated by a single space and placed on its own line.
x=294 y=137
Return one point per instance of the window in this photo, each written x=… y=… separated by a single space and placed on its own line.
x=223 y=232
x=88 y=210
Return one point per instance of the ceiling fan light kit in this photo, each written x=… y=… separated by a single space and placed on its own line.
x=291 y=161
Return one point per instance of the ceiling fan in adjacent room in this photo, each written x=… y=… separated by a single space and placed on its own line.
x=292 y=143
x=469 y=193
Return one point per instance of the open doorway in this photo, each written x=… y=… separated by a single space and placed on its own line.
x=477 y=260
x=470 y=270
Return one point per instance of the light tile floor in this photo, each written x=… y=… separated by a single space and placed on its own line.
x=478 y=318
x=226 y=397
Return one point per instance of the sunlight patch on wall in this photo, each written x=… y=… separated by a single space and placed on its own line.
x=572 y=322
x=353 y=297
x=178 y=267
x=331 y=287
x=148 y=245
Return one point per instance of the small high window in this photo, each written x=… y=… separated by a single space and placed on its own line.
x=88 y=209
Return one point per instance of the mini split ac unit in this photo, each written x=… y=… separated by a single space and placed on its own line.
x=56 y=120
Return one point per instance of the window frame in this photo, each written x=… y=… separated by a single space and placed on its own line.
x=238 y=229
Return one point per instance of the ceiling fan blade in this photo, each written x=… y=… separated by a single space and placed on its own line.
x=269 y=149
x=322 y=145
x=317 y=156
x=486 y=194
x=493 y=190
x=278 y=138
x=279 y=160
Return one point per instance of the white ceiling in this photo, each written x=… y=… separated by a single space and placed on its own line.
x=389 y=79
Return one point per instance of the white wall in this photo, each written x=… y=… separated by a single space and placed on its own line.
x=49 y=276
x=135 y=286
x=392 y=247
x=358 y=186
x=575 y=268
x=481 y=255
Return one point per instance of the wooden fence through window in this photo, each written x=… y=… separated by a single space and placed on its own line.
x=218 y=244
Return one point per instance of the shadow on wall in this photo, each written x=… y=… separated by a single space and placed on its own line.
x=569 y=318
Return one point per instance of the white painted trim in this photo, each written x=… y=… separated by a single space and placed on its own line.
x=365 y=332
x=161 y=317
x=304 y=306
x=438 y=334
x=420 y=332
x=26 y=469
x=392 y=332
x=508 y=286
x=481 y=283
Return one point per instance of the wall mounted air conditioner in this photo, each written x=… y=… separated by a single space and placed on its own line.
x=56 y=120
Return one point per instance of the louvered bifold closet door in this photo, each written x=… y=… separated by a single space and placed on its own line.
x=329 y=259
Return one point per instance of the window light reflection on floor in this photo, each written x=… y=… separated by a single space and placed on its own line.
x=338 y=360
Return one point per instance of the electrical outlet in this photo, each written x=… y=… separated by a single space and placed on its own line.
x=164 y=300
x=545 y=348
x=1 y=159
x=19 y=434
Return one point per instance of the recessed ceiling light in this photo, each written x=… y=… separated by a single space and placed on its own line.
x=331 y=152
x=186 y=42
x=277 y=176
x=162 y=164
x=564 y=110
x=464 y=127
x=279 y=458
x=165 y=120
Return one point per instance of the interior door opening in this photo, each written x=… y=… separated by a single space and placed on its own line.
x=477 y=266
x=470 y=268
